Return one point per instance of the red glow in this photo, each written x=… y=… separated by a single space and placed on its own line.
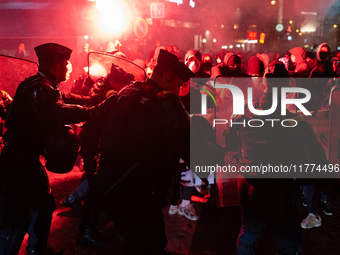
x=262 y=37
x=252 y=35
x=97 y=70
x=112 y=17
x=157 y=10
x=289 y=29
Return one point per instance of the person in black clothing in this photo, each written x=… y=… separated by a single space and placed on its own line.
x=230 y=67
x=271 y=201
x=38 y=111
x=89 y=137
x=143 y=138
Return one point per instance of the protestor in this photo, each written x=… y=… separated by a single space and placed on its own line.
x=140 y=152
x=35 y=123
x=255 y=67
x=317 y=82
x=311 y=59
x=230 y=67
x=336 y=63
x=336 y=66
x=169 y=48
x=298 y=57
x=207 y=63
x=264 y=58
x=271 y=201
x=186 y=207
x=175 y=49
x=193 y=60
x=244 y=61
x=220 y=56
x=285 y=61
x=320 y=89
x=324 y=67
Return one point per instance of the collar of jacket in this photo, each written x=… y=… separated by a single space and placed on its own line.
x=154 y=84
x=51 y=77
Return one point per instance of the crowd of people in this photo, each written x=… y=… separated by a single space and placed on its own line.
x=140 y=130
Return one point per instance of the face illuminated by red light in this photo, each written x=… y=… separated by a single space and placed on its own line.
x=324 y=49
x=62 y=70
x=193 y=64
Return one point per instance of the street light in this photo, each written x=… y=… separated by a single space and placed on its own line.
x=204 y=40
x=290 y=22
x=335 y=26
x=214 y=40
x=273 y=2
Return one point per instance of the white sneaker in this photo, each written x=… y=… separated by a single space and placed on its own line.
x=312 y=221
x=173 y=209
x=188 y=212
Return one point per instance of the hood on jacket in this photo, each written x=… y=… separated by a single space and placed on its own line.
x=255 y=66
x=232 y=59
x=264 y=58
x=299 y=53
x=322 y=55
x=193 y=60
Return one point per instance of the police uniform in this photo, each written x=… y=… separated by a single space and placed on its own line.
x=38 y=109
x=143 y=138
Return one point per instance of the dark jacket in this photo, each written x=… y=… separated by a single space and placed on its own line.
x=274 y=145
x=324 y=68
x=148 y=131
x=255 y=67
x=38 y=107
x=223 y=69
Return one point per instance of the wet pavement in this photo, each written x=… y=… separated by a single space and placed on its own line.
x=214 y=233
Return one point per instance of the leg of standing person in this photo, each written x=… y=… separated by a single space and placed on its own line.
x=88 y=232
x=251 y=223
x=313 y=219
